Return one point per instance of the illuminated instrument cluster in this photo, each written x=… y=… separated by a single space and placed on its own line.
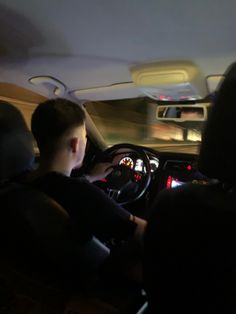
x=137 y=164
x=127 y=161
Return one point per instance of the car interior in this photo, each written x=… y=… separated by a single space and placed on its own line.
x=147 y=74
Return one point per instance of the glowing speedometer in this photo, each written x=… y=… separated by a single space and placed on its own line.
x=154 y=163
x=127 y=161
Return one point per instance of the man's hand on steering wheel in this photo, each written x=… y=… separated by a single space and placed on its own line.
x=99 y=171
x=123 y=184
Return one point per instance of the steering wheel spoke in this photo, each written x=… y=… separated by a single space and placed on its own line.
x=114 y=194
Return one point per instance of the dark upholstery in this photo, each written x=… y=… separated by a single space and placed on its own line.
x=37 y=235
x=190 y=259
x=16 y=149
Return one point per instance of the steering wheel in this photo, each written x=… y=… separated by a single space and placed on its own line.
x=124 y=184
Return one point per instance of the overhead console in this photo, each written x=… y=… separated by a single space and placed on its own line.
x=170 y=80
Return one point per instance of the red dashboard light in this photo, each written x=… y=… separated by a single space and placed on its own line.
x=168 y=182
x=137 y=177
x=189 y=167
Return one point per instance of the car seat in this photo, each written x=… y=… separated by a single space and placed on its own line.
x=189 y=258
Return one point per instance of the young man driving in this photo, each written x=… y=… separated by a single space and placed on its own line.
x=58 y=126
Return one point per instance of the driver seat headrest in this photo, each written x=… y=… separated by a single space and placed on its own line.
x=16 y=144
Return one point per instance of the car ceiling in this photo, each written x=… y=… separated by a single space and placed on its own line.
x=93 y=43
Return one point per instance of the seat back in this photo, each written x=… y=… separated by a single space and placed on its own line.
x=189 y=257
x=36 y=234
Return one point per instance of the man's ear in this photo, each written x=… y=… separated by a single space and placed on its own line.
x=74 y=144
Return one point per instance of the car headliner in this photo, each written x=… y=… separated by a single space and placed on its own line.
x=94 y=43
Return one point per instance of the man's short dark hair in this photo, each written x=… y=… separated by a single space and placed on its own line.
x=52 y=119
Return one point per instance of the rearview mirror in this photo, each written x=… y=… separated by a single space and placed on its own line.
x=182 y=113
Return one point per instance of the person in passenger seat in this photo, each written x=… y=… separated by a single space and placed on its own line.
x=189 y=243
x=58 y=126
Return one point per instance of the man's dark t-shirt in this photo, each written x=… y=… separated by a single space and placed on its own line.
x=93 y=212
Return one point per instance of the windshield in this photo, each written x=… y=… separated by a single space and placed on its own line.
x=135 y=121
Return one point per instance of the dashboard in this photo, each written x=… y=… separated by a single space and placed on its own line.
x=168 y=170
x=137 y=164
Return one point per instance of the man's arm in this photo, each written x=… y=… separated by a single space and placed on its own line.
x=99 y=171
x=140 y=229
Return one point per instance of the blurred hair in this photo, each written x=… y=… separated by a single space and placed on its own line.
x=16 y=147
x=217 y=153
x=11 y=119
x=52 y=119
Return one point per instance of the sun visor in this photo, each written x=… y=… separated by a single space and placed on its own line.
x=170 y=81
